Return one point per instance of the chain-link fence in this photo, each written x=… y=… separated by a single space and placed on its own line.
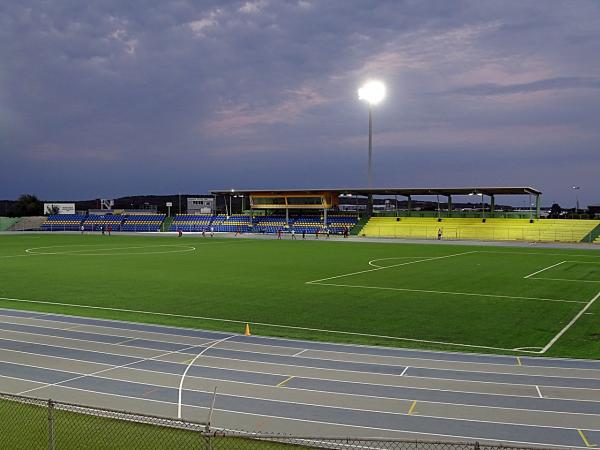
x=31 y=424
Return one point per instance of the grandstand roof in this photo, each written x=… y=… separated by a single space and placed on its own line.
x=526 y=190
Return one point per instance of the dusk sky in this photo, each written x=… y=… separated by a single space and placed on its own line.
x=111 y=98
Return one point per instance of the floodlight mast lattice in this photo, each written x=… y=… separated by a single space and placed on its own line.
x=373 y=92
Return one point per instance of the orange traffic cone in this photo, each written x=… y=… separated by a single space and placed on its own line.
x=247 y=330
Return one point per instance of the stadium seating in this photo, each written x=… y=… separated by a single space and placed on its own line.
x=95 y=222
x=143 y=222
x=191 y=222
x=271 y=224
x=338 y=223
x=308 y=224
x=543 y=230
x=63 y=222
x=238 y=223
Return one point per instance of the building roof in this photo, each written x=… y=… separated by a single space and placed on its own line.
x=390 y=191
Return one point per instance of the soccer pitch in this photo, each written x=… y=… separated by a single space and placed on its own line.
x=521 y=300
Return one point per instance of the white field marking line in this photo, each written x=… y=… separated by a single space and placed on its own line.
x=537 y=388
x=566 y=279
x=544 y=269
x=122 y=378
x=15 y=256
x=336 y=424
x=404 y=371
x=319 y=406
x=290 y=327
x=298 y=353
x=539 y=254
x=188 y=368
x=99 y=247
x=570 y=324
x=187 y=249
x=104 y=370
x=393 y=257
x=470 y=294
x=126 y=338
x=108 y=321
x=435 y=258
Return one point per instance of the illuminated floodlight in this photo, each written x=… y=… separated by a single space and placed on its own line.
x=372 y=92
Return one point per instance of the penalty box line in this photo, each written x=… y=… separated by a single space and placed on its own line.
x=435 y=258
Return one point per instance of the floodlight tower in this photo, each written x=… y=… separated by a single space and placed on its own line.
x=372 y=92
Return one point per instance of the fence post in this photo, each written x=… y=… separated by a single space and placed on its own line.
x=476 y=446
x=51 y=440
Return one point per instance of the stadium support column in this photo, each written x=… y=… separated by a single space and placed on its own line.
x=449 y=205
x=492 y=205
x=287 y=217
x=538 y=201
x=325 y=217
x=409 y=204
x=370 y=205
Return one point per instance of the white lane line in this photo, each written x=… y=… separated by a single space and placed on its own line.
x=127 y=340
x=435 y=258
x=537 y=388
x=404 y=371
x=544 y=269
x=107 y=324
x=400 y=432
x=103 y=370
x=57 y=325
x=190 y=365
x=570 y=324
x=393 y=413
x=300 y=352
x=347 y=394
x=288 y=365
x=427 y=291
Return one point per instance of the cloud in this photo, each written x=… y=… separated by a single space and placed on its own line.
x=549 y=84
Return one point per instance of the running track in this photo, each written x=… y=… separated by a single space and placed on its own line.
x=298 y=387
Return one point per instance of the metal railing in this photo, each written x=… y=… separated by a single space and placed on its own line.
x=30 y=423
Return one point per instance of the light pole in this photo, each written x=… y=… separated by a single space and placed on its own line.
x=372 y=92
x=576 y=189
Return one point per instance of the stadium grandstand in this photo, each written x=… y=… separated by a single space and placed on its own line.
x=319 y=211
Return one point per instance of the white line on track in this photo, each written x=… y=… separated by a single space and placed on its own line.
x=188 y=368
x=404 y=371
x=298 y=353
x=428 y=291
x=300 y=343
x=288 y=365
x=106 y=370
x=570 y=324
x=544 y=269
x=345 y=408
x=343 y=394
x=537 y=388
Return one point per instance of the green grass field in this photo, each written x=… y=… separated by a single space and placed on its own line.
x=451 y=297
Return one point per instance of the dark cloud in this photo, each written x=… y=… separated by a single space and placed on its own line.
x=104 y=98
